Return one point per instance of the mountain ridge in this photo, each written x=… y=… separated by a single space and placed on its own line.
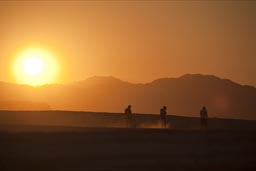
x=184 y=95
x=116 y=79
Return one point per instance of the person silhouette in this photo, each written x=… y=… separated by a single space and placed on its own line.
x=128 y=113
x=163 y=116
x=128 y=110
x=204 y=118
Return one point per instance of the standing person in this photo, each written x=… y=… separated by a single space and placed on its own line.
x=128 y=113
x=163 y=116
x=204 y=118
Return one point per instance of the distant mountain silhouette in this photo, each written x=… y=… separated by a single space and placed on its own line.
x=23 y=105
x=183 y=96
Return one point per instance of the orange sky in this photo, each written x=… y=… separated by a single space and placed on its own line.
x=134 y=41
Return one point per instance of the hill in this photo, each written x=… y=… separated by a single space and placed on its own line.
x=183 y=96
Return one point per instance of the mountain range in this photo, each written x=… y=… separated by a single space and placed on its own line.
x=182 y=96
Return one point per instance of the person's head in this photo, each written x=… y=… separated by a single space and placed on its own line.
x=129 y=106
x=164 y=107
x=204 y=108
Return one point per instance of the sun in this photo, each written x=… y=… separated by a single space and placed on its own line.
x=35 y=66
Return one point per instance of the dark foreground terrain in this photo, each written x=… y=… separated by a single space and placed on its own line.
x=128 y=149
x=52 y=147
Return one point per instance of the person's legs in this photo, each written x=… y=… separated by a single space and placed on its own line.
x=205 y=124
x=202 y=123
x=133 y=123
x=130 y=122
x=165 y=123
x=127 y=122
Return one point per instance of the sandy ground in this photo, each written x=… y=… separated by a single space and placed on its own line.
x=115 y=120
x=50 y=147
x=127 y=149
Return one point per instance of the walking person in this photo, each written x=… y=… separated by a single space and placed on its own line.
x=163 y=116
x=129 y=119
x=204 y=118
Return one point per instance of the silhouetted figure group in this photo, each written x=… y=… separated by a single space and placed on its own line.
x=130 y=121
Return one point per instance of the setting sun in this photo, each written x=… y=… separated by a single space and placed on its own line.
x=35 y=67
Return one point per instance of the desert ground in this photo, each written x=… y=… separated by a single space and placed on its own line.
x=40 y=140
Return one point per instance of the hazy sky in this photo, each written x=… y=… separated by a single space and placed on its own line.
x=134 y=41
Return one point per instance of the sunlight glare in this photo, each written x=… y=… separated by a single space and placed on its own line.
x=35 y=66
